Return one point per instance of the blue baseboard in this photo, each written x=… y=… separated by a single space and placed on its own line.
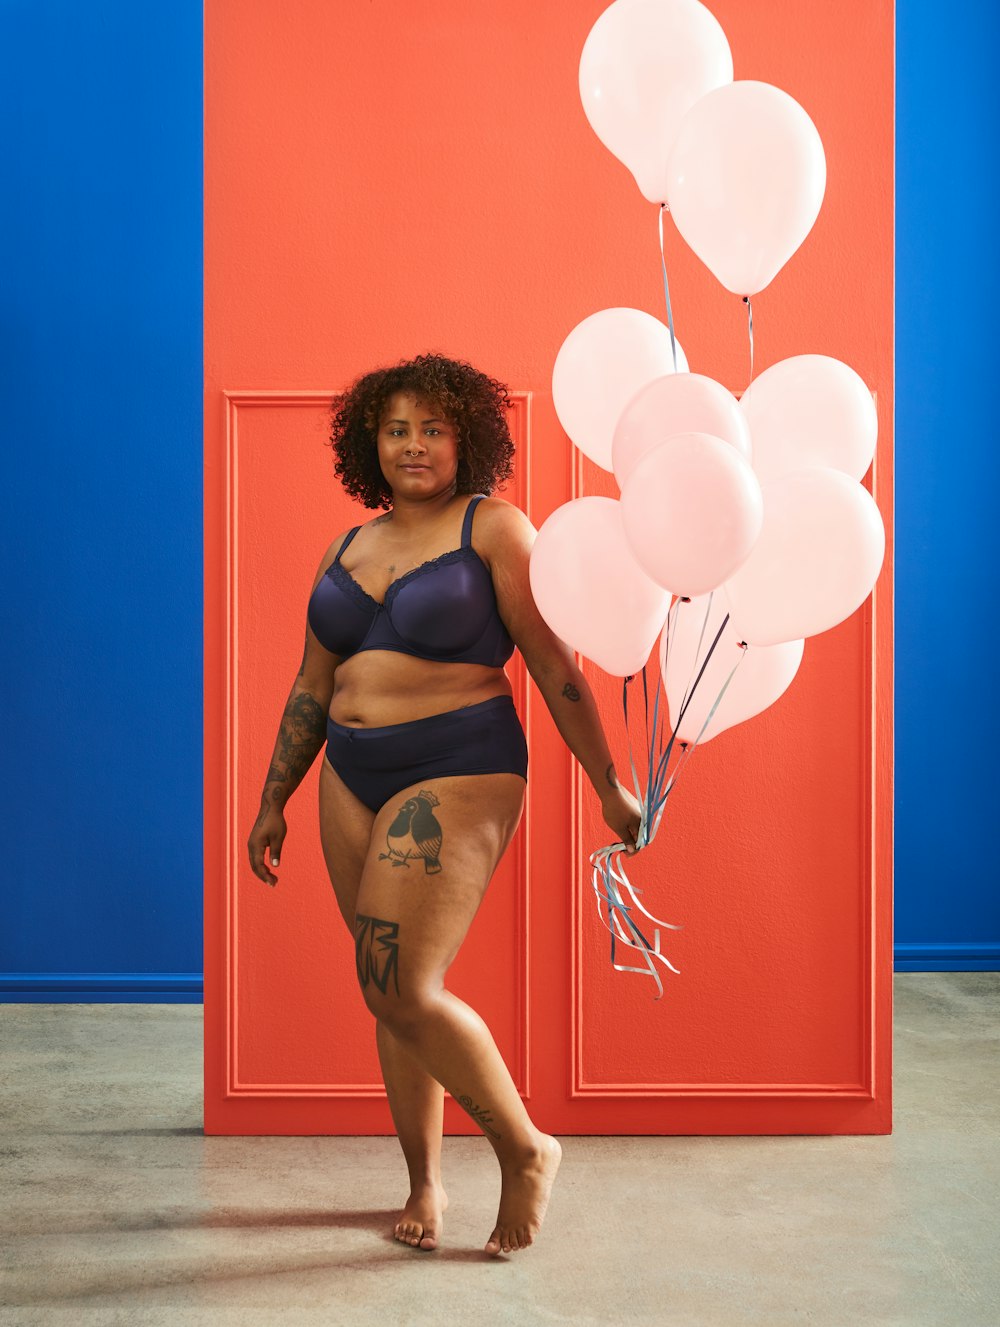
x=101 y=987
x=188 y=987
x=948 y=956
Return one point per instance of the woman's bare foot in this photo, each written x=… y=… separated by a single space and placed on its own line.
x=420 y=1224
x=524 y=1196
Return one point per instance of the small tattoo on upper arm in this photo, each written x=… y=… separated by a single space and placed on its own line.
x=570 y=692
x=415 y=833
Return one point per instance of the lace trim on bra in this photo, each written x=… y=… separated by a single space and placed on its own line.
x=362 y=597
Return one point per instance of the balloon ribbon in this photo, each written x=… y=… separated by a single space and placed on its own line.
x=666 y=287
x=746 y=301
x=609 y=877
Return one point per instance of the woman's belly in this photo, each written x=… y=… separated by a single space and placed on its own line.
x=381 y=686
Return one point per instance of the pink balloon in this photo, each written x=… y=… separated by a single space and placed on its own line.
x=600 y=367
x=680 y=403
x=746 y=178
x=818 y=556
x=693 y=510
x=810 y=410
x=763 y=672
x=591 y=591
x=643 y=66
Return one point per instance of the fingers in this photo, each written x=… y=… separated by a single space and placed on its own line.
x=257 y=863
x=631 y=837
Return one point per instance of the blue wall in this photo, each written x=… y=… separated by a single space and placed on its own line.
x=102 y=349
x=947 y=485
x=101 y=361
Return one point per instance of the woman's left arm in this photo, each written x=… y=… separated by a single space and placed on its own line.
x=507 y=537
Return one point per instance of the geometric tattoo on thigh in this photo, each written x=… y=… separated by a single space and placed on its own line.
x=376 y=951
x=416 y=833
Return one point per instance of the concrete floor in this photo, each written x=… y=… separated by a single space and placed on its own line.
x=117 y=1210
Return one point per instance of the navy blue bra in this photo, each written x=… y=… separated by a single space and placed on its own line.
x=445 y=609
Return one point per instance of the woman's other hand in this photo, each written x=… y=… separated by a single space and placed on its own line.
x=623 y=813
x=268 y=832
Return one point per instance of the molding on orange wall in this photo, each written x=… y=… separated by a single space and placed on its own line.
x=246 y=398
x=879 y=785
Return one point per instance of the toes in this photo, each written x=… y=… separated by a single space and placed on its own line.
x=428 y=1236
x=493 y=1243
x=417 y=1236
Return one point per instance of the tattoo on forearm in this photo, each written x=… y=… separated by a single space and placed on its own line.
x=300 y=736
x=376 y=951
x=611 y=777
x=415 y=833
x=570 y=692
x=480 y=1114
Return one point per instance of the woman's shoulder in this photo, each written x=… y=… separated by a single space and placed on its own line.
x=500 y=513
x=501 y=527
x=334 y=549
x=340 y=540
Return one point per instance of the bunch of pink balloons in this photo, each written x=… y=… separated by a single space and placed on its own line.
x=759 y=499
x=740 y=165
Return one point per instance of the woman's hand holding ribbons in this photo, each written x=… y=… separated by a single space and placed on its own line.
x=623 y=814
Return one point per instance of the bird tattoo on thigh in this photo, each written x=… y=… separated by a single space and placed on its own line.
x=415 y=833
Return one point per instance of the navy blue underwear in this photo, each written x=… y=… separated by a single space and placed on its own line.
x=378 y=763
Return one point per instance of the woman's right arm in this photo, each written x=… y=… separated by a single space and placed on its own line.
x=301 y=734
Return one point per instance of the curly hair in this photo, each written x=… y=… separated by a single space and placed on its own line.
x=475 y=403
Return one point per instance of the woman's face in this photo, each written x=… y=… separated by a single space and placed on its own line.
x=417 y=447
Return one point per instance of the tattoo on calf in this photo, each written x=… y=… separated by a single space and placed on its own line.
x=611 y=777
x=415 y=833
x=376 y=951
x=480 y=1114
x=570 y=692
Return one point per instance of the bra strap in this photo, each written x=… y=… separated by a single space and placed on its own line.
x=467 y=523
x=346 y=542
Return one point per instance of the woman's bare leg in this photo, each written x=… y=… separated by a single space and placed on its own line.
x=416 y=1100
x=417 y=1104
x=411 y=921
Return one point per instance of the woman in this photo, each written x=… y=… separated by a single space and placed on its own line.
x=410 y=621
